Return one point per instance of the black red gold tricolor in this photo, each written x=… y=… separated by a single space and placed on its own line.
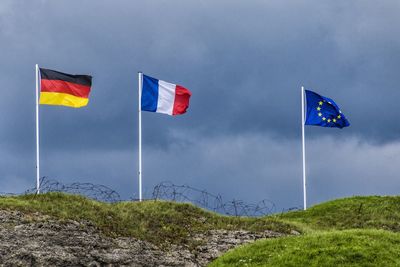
x=57 y=88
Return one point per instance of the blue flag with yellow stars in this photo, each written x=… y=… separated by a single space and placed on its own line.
x=323 y=111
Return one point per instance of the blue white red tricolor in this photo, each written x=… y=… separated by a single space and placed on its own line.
x=164 y=97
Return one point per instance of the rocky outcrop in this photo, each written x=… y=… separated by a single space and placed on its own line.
x=38 y=240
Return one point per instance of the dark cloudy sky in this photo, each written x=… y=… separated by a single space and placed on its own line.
x=244 y=62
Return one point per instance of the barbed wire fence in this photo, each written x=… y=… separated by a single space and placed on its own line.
x=93 y=191
x=204 y=199
x=163 y=191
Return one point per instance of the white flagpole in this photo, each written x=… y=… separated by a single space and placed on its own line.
x=304 y=149
x=37 y=132
x=140 y=78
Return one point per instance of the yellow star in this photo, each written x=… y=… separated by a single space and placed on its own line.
x=339 y=116
x=329 y=120
x=318 y=108
x=323 y=118
x=334 y=120
x=320 y=114
x=320 y=103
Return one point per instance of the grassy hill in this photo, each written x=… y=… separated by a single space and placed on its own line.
x=158 y=222
x=372 y=212
x=357 y=231
x=329 y=248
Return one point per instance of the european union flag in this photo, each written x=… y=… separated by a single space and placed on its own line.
x=323 y=111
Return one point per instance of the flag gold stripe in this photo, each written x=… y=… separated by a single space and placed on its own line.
x=61 y=99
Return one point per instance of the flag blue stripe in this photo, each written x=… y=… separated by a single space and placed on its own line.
x=149 y=94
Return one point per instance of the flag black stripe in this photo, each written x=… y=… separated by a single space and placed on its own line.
x=56 y=75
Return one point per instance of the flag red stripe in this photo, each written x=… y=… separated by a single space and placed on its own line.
x=58 y=86
x=181 y=103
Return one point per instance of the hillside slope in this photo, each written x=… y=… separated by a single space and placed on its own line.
x=57 y=229
x=361 y=212
x=357 y=231
x=332 y=248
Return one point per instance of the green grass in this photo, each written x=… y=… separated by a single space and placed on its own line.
x=356 y=231
x=372 y=212
x=334 y=248
x=159 y=222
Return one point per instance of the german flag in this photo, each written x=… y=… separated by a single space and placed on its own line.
x=57 y=88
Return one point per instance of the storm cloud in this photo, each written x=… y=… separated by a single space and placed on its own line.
x=243 y=62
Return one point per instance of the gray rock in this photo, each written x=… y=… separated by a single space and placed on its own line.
x=39 y=240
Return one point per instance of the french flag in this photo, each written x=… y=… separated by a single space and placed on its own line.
x=163 y=97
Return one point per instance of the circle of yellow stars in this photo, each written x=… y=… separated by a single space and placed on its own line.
x=328 y=120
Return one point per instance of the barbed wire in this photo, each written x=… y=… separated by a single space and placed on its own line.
x=204 y=199
x=163 y=191
x=97 y=192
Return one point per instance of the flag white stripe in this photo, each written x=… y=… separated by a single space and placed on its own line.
x=166 y=97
